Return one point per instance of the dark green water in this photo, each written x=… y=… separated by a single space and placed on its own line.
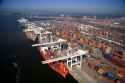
x=15 y=47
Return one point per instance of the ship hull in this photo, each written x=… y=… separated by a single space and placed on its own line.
x=59 y=67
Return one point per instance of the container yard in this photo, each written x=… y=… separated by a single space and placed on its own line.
x=90 y=49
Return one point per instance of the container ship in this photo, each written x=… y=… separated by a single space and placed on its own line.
x=57 y=66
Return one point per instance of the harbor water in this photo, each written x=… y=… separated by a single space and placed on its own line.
x=21 y=63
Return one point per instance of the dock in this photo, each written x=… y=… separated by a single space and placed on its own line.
x=87 y=51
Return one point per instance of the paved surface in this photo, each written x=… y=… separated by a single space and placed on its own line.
x=82 y=76
x=87 y=75
x=96 y=76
